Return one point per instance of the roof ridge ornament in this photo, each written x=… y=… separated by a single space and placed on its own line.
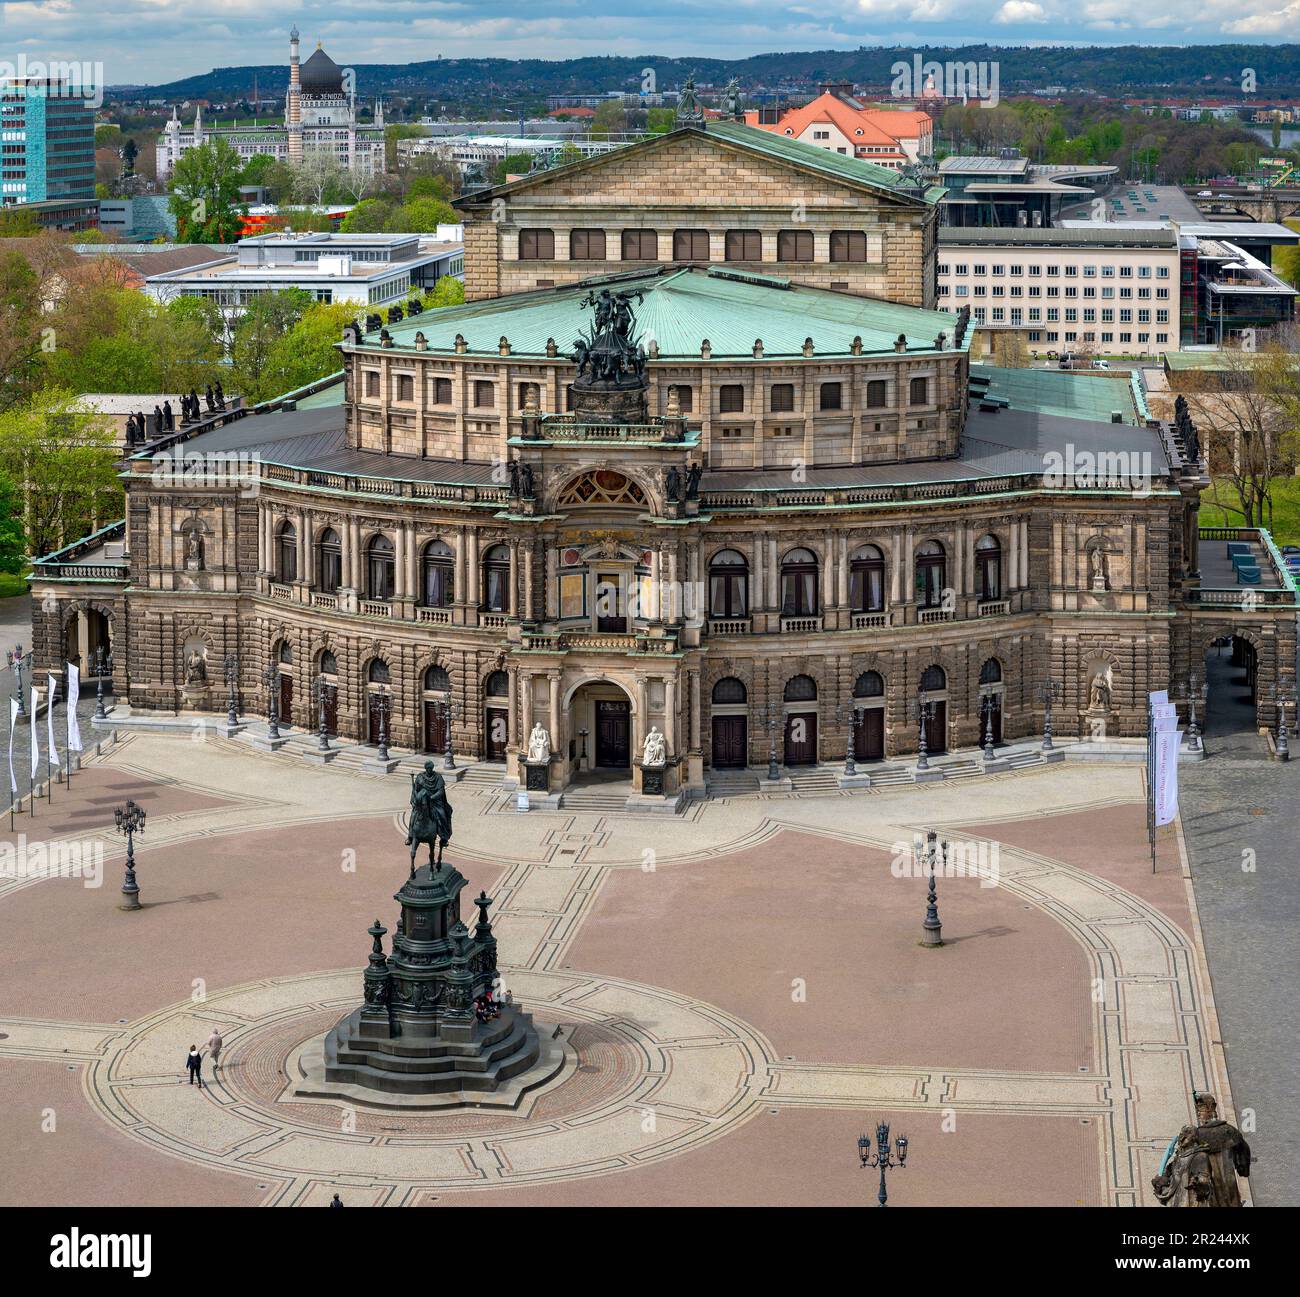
x=690 y=111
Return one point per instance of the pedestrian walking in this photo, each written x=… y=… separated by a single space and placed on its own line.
x=194 y=1061
x=336 y=1201
x=214 y=1046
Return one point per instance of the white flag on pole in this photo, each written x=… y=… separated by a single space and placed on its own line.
x=36 y=736
x=1158 y=696
x=13 y=724
x=74 y=693
x=49 y=723
x=1166 y=775
x=1164 y=717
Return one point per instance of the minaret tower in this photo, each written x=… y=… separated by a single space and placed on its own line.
x=293 y=103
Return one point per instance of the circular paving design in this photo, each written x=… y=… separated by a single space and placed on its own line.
x=649 y=1074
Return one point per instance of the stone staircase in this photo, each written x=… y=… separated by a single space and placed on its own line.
x=594 y=800
x=814 y=779
x=730 y=783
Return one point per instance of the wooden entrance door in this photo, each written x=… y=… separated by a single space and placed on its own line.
x=496 y=731
x=869 y=735
x=936 y=729
x=730 y=742
x=613 y=737
x=801 y=739
x=286 y=698
x=435 y=728
x=610 y=614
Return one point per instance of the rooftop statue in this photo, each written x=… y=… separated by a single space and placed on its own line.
x=609 y=356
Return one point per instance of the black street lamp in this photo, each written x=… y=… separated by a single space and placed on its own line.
x=1283 y=748
x=988 y=704
x=770 y=718
x=16 y=656
x=323 y=743
x=129 y=819
x=383 y=703
x=854 y=714
x=232 y=701
x=450 y=713
x=100 y=713
x=1050 y=690
x=883 y=1157
x=931 y=928
x=1193 y=730
x=271 y=679
x=924 y=715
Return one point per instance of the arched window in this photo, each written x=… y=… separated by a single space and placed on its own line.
x=437 y=574
x=286 y=653
x=799 y=584
x=379 y=568
x=931 y=574
x=988 y=568
x=870 y=684
x=800 y=689
x=436 y=680
x=377 y=673
x=602 y=486
x=497 y=685
x=496 y=579
x=329 y=664
x=867 y=579
x=728 y=584
x=991 y=672
x=933 y=679
x=329 y=561
x=730 y=690
x=286 y=543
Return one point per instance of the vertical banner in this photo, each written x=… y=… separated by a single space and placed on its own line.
x=35 y=736
x=74 y=693
x=1167 y=744
x=50 y=744
x=13 y=724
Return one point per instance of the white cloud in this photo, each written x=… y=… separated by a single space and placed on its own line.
x=1276 y=22
x=1020 y=11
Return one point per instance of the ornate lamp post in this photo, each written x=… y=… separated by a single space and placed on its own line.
x=129 y=819
x=771 y=716
x=924 y=715
x=16 y=656
x=1193 y=730
x=450 y=713
x=100 y=713
x=988 y=704
x=931 y=928
x=1283 y=748
x=1051 y=688
x=384 y=704
x=883 y=1156
x=853 y=713
x=323 y=744
x=232 y=700
x=271 y=679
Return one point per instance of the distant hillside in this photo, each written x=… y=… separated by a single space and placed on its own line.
x=1206 y=69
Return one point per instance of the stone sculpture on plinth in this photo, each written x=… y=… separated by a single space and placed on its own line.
x=1202 y=1162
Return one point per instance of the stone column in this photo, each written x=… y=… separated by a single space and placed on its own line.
x=670 y=715
x=1013 y=559
x=674 y=586
x=842 y=589
x=512 y=606
x=773 y=571
x=642 y=717
x=512 y=718
x=303 y=574
x=552 y=608
x=828 y=576
x=696 y=743
x=757 y=590
x=472 y=596
x=555 y=713
x=528 y=580
x=354 y=554
x=525 y=685
x=1024 y=552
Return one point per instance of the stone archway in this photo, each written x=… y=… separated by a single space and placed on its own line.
x=601 y=730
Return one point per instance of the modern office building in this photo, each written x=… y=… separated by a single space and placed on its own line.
x=47 y=152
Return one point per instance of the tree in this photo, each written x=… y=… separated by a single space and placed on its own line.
x=64 y=461
x=370 y=216
x=18 y=225
x=1009 y=350
x=257 y=168
x=446 y=292
x=264 y=322
x=13 y=544
x=307 y=352
x=205 y=193
x=609 y=119
x=129 y=154
x=421 y=216
x=1277 y=131
x=315 y=176
x=659 y=121
x=513 y=164
x=20 y=327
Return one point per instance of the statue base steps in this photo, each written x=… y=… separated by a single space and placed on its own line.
x=496 y=1064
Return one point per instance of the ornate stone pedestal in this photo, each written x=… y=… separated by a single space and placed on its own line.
x=419 y=1039
x=537 y=776
x=195 y=697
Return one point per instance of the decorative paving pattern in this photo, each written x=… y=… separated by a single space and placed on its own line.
x=651 y=1074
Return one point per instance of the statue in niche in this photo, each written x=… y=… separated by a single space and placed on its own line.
x=196 y=668
x=655 y=752
x=1099 y=693
x=194 y=549
x=1099 y=569
x=539 y=744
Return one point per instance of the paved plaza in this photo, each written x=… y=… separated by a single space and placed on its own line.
x=740 y=992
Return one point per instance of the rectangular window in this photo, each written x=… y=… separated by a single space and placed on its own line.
x=536 y=245
x=685 y=397
x=744 y=245
x=848 y=245
x=573 y=594
x=586 y=245
x=640 y=245
x=877 y=393
x=405 y=387
x=442 y=391
x=372 y=384
x=797 y=245
x=782 y=398
x=484 y=395
x=731 y=398
x=690 y=245
x=831 y=396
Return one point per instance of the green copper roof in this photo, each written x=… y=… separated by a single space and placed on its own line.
x=681 y=307
x=837 y=166
x=1059 y=392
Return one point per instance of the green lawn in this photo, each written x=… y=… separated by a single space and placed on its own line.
x=1285 y=525
x=12 y=583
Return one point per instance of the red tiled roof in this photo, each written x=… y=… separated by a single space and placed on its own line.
x=879 y=126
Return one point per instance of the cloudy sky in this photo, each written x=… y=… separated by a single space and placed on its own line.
x=152 y=41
